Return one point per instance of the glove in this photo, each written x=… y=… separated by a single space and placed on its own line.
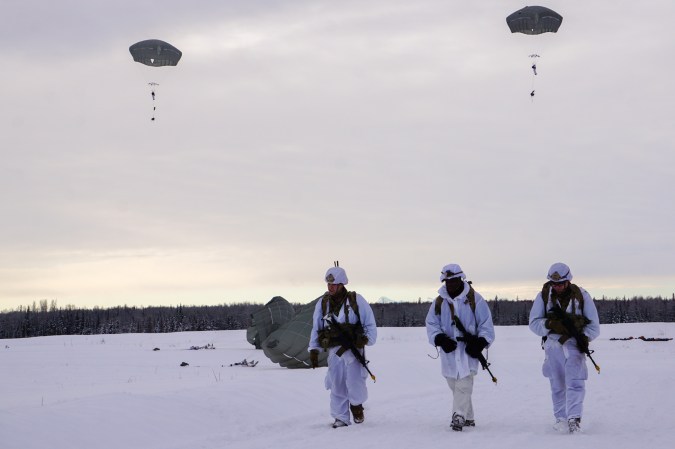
x=556 y=326
x=360 y=341
x=446 y=343
x=475 y=346
x=583 y=344
x=314 y=358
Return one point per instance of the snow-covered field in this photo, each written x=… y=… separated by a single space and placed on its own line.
x=116 y=392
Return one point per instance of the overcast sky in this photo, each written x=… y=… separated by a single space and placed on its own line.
x=393 y=136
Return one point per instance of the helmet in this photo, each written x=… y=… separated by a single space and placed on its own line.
x=452 y=271
x=559 y=272
x=336 y=275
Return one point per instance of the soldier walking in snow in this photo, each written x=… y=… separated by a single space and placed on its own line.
x=343 y=324
x=459 y=301
x=559 y=306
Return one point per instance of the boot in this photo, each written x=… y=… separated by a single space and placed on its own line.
x=574 y=425
x=561 y=425
x=339 y=423
x=357 y=413
x=458 y=422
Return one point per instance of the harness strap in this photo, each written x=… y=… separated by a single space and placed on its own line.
x=350 y=303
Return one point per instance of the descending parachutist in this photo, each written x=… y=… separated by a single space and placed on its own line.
x=532 y=94
x=155 y=53
x=152 y=93
x=534 y=68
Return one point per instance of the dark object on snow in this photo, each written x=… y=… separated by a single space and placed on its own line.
x=184 y=364
x=653 y=339
x=245 y=362
x=643 y=338
x=156 y=349
x=207 y=346
x=268 y=319
x=534 y=20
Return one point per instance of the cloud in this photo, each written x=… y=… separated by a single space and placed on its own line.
x=394 y=136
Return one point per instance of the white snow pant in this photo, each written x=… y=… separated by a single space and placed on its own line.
x=565 y=367
x=462 y=390
x=346 y=380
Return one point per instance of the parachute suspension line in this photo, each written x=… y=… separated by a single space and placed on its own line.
x=153 y=86
x=295 y=358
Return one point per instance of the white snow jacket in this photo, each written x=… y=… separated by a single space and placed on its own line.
x=538 y=315
x=367 y=321
x=458 y=364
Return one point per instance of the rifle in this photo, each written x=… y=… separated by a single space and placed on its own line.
x=347 y=342
x=578 y=336
x=466 y=338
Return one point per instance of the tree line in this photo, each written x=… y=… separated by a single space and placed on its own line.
x=43 y=318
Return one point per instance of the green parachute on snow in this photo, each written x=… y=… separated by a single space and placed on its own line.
x=268 y=319
x=287 y=344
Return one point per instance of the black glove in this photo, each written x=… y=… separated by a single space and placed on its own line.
x=475 y=346
x=314 y=358
x=556 y=326
x=446 y=343
x=360 y=341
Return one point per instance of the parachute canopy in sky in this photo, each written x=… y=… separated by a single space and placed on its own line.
x=268 y=319
x=155 y=53
x=534 y=20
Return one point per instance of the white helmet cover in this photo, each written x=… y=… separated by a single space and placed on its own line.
x=450 y=271
x=336 y=275
x=559 y=272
